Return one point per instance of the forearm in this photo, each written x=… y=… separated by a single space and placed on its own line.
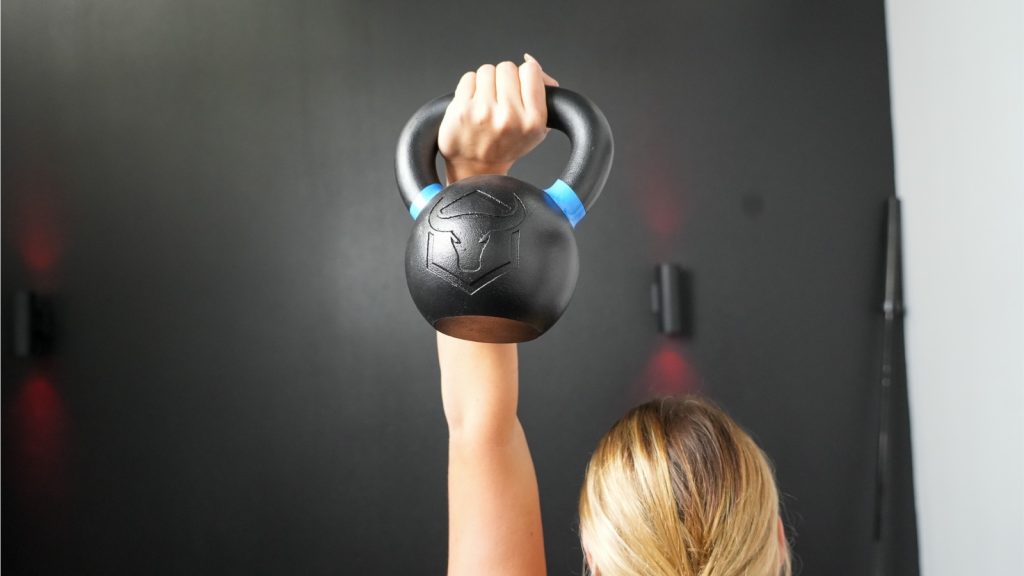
x=479 y=388
x=494 y=521
x=494 y=518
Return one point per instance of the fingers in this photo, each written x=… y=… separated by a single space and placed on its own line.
x=504 y=83
x=548 y=80
x=464 y=91
x=485 y=89
x=507 y=85
x=531 y=78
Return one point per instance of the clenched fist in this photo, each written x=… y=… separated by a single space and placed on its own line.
x=498 y=114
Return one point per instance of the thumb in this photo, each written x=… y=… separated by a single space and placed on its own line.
x=548 y=80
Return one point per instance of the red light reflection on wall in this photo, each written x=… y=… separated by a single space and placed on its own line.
x=41 y=419
x=660 y=192
x=669 y=372
x=37 y=227
x=662 y=205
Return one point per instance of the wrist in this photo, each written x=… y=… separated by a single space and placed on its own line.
x=479 y=384
x=458 y=170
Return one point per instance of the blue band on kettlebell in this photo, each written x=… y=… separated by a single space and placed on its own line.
x=567 y=200
x=424 y=198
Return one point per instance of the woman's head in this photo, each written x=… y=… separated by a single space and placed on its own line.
x=677 y=488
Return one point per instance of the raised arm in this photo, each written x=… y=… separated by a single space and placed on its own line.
x=498 y=114
x=494 y=524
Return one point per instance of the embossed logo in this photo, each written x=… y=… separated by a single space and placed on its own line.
x=474 y=239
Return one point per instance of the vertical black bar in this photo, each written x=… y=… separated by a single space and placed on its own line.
x=892 y=308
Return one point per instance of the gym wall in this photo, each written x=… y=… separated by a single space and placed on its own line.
x=240 y=382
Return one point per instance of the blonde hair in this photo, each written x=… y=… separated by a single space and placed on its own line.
x=677 y=488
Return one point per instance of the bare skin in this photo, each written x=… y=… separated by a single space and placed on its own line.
x=497 y=116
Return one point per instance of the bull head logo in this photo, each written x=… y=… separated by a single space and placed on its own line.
x=483 y=238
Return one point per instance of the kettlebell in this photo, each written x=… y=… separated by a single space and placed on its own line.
x=492 y=258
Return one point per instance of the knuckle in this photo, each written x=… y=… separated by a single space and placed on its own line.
x=480 y=114
x=505 y=118
x=533 y=122
x=458 y=112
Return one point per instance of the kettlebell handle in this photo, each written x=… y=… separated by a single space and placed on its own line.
x=575 y=191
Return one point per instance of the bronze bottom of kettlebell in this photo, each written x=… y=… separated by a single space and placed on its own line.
x=486 y=329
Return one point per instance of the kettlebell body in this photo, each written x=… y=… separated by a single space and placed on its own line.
x=492 y=258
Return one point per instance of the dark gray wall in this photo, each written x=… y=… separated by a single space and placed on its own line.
x=242 y=383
